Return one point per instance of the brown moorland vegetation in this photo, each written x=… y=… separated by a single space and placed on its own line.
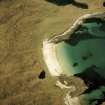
x=24 y=24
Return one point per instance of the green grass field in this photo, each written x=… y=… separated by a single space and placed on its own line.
x=24 y=24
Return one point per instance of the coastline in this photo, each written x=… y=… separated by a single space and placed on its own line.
x=54 y=68
x=49 y=45
x=65 y=35
x=50 y=58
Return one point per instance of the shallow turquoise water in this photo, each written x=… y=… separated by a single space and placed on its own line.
x=75 y=55
x=76 y=58
x=83 y=55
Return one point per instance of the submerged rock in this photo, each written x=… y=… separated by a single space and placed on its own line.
x=104 y=4
x=85 y=59
x=91 y=78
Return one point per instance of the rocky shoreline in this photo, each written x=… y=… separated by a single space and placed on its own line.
x=49 y=45
x=75 y=26
x=52 y=63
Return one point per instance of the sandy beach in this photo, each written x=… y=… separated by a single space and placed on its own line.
x=49 y=46
x=50 y=58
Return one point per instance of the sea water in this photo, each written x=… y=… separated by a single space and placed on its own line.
x=83 y=55
x=88 y=51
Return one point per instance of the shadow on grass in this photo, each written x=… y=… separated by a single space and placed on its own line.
x=66 y=2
